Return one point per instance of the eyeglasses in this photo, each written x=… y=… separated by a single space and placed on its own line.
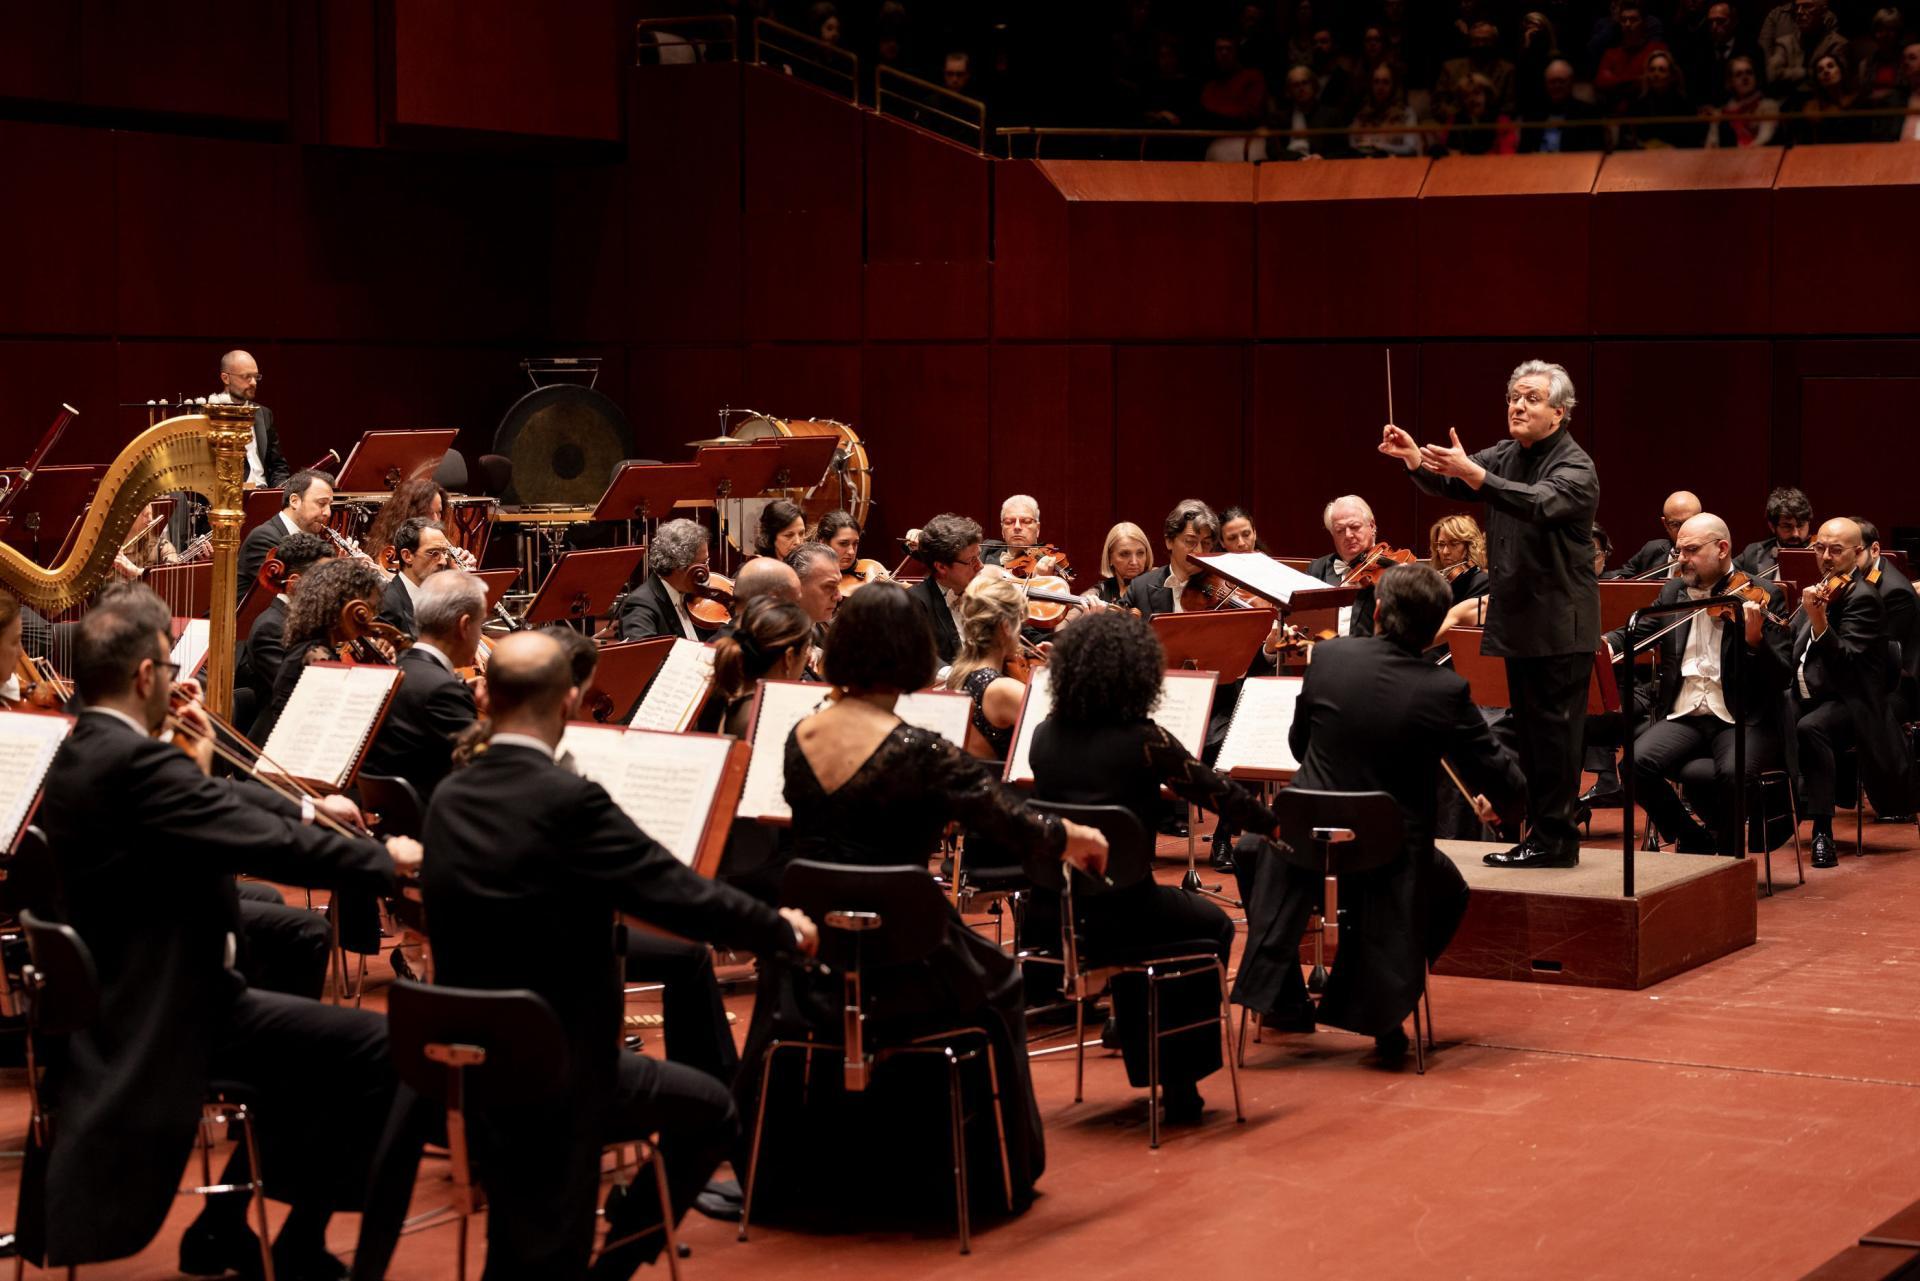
x=1832 y=549
x=171 y=668
x=434 y=553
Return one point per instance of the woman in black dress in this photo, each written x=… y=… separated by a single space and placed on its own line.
x=1099 y=746
x=1123 y=557
x=866 y=788
x=992 y=612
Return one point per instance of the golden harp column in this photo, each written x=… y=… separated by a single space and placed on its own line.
x=230 y=430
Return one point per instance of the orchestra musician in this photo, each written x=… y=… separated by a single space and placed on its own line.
x=783 y=527
x=992 y=611
x=1903 y=615
x=1692 y=715
x=148 y=547
x=657 y=607
x=309 y=505
x=423 y=497
x=949 y=546
x=1541 y=491
x=523 y=847
x=840 y=531
x=1790 y=517
x=1657 y=553
x=1349 y=522
x=422 y=548
x=148 y=884
x=1844 y=674
x=1188 y=531
x=257 y=663
x=433 y=704
x=1124 y=556
x=818 y=569
x=1237 y=533
x=1458 y=547
x=1374 y=715
x=1019 y=528
x=13 y=652
x=313 y=631
x=240 y=383
x=1603 y=551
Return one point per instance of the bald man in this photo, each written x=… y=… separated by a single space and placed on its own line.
x=1844 y=674
x=1680 y=507
x=240 y=384
x=1695 y=705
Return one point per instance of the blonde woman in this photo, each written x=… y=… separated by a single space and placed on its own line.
x=1458 y=547
x=1123 y=557
x=992 y=612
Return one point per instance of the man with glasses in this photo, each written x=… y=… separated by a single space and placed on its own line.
x=1681 y=506
x=949 y=546
x=1844 y=673
x=1694 y=708
x=1349 y=522
x=422 y=547
x=240 y=385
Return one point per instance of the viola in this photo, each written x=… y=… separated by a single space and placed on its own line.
x=710 y=597
x=863 y=572
x=1459 y=567
x=1206 y=591
x=1041 y=561
x=41 y=687
x=1739 y=584
x=1379 y=559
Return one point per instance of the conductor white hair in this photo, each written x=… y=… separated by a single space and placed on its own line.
x=1559 y=385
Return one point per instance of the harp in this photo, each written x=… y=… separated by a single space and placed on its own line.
x=200 y=453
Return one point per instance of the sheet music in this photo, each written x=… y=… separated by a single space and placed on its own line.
x=1262 y=718
x=783 y=704
x=678 y=688
x=1186 y=698
x=28 y=742
x=946 y=713
x=1037 y=708
x=1264 y=575
x=328 y=721
x=667 y=785
x=191 y=649
x=595 y=752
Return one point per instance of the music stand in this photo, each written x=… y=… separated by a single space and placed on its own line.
x=188 y=589
x=1486 y=674
x=626 y=669
x=735 y=471
x=1219 y=640
x=1618 y=600
x=801 y=457
x=498 y=582
x=649 y=491
x=582 y=584
x=381 y=461
x=1798 y=564
x=41 y=519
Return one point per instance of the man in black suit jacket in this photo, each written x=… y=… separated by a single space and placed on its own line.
x=1544 y=604
x=1373 y=715
x=240 y=384
x=1693 y=708
x=657 y=607
x=258 y=661
x=1903 y=616
x=1657 y=553
x=147 y=846
x=1844 y=674
x=525 y=848
x=309 y=506
x=1790 y=517
x=422 y=547
x=1349 y=522
x=1563 y=122
x=950 y=549
x=433 y=705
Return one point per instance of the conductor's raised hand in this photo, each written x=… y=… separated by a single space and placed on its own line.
x=1395 y=442
x=1451 y=460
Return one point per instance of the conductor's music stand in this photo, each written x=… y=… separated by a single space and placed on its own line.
x=582 y=585
x=736 y=471
x=381 y=461
x=626 y=669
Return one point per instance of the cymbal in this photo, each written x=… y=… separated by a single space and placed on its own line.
x=717 y=440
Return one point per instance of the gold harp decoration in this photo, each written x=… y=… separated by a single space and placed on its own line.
x=202 y=454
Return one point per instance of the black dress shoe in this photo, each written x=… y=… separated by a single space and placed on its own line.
x=1222 y=856
x=1825 y=854
x=306 y=1263
x=720 y=1199
x=1391 y=1048
x=1696 y=840
x=215 y=1250
x=1527 y=854
x=1298 y=1018
x=1603 y=796
x=1183 y=1103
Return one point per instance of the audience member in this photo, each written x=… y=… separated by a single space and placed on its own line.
x=1909 y=126
x=1661 y=98
x=1481 y=59
x=1303 y=109
x=1706 y=60
x=1564 y=122
x=1384 y=127
x=1792 y=37
x=1623 y=67
x=1734 y=126
x=1236 y=96
x=1539 y=46
x=1881 y=75
x=1477 y=128
x=1829 y=102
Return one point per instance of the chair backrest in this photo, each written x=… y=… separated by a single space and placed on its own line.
x=913 y=914
x=63 y=987
x=1340 y=832
x=395 y=801
x=1129 y=845
x=523 y=1050
x=452 y=471
x=33 y=878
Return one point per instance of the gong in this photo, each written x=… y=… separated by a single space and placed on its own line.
x=564 y=441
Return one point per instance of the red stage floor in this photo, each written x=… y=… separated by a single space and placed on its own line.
x=1745 y=1120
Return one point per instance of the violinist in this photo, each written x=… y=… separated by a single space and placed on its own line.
x=309 y=506
x=1903 y=614
x=1844 y=674
x=658 y=606
x=258 y=660
x=783 y=527
x=1790 y=517
x=149 y=546
x=318 y=628
x=949 y=546
x=1349 y=522
x=992 y=612
x=771 y=639
x=433 y=705
x=1124 y=556
x=1237 y=533
x=13 y=655
x=840 y=531
x=1692 y=713
x=1656 y=559
x=1188 y=531
x=818 y=568
x=423 y=550
x=1019 y=529
x=1459 y=551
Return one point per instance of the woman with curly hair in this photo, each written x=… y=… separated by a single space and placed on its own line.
x=1100 y=746
x=992 y=612
x=422 y=498
x=313 y=627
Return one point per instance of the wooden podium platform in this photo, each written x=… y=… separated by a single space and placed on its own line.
x=1571 y=925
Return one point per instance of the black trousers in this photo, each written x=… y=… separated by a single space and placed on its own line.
x=1825 y=730
x=1549 y=697
x=282 y=949
x=694 y=1016
x=1666 y=745
x=1138 y=921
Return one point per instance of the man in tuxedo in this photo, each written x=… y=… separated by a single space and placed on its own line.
x=1349 y=523
x=1019 y=529
x=1373 y=715
x=1844 y=671
x=1681 y=506
x=309 y=505
x=1694 y=707
x=147 y=845
x=1544 y=605
x=433 y=704
x=816 y=566
x=259 y=657
x=522 y=846
x=422 y=547
x=1188 y=531
x=658 y=606
x=1903 y=615
x=1790 y=517
x=240 y=384
x=950 y=549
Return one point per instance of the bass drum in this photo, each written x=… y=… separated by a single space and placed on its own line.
x=846 y=487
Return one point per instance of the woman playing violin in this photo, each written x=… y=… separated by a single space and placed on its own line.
x=1123 y=557
x=1459 y=550
x=320 y=625
x=992 y=612
x=783 y=527
x=839 y=531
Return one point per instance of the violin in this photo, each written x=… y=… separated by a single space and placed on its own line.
x=1021 y=662
x=1206 y=591
x=1379 y=559
x=1042 y=561
x=1459 y=567
x=1827 y=591
x=863 y=572
x=41 y=687
x=1741 y=585
x=710 y=598
x=364 y=639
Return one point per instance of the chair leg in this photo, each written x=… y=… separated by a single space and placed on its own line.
x=1079 y=1045
x=460 y=1250
x=1317 y=976
x=258 y=1194
x=1240 y=1046
x=1153 y=1061
x=1000 y=1125
x=1226 y=1035
x=1419 y=1043
x=959 y=1117
x=753 y=1150
x=666 y=1209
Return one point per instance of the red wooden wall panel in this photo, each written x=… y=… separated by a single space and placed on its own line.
x=1178 y=415
x=674 y=395
x=1502 y=244
x=40 y=50
x=685 y=243
x=803 y=209
x=1313 y=435
x=1029 y=253
x=40 y=376
x=1853 y=441
x=57 y=223
x=1335 y=257
x=1052 y=437
x=326 y=394
x=804 y=380
x=223 y=58
x=927 y=217
x=925 y=423
x=1681 y=415
x=1829 y=196
x=504 y=66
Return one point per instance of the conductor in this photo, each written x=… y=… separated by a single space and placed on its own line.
x=1541 y=493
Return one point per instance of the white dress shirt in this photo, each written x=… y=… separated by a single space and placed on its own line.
x=680 y=609
x=256 y=469
x=1701 y=687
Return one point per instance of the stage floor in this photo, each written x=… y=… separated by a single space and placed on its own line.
x=1746 y=1119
